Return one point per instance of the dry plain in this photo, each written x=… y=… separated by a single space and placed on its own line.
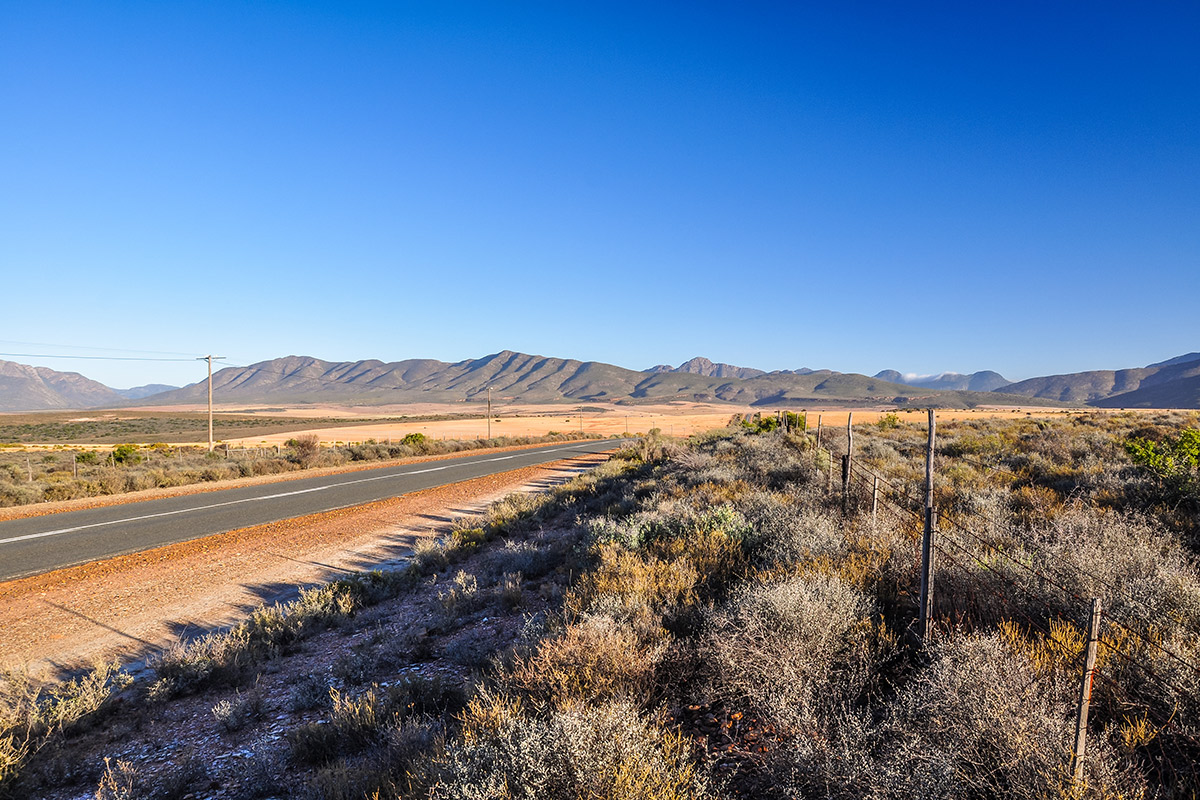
x=672 y=419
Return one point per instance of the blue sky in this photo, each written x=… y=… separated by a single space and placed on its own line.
x=923 y=187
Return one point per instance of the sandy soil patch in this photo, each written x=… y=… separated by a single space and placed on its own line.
x=130 y=606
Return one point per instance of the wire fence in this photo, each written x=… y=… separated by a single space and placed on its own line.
x=1146 y=684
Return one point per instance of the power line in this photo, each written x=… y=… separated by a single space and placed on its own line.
x=91 y=358
x=87 y=347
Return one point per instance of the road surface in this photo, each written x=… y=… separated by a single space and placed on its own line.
x=39 y=544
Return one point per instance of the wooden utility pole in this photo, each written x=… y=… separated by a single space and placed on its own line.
x=1085 y=698
x=926 y=612
x=209 y=359
x=489 y=412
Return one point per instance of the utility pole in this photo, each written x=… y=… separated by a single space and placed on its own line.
x=209 y=359
x=489 y=412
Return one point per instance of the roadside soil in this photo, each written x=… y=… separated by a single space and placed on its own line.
x=131 y=606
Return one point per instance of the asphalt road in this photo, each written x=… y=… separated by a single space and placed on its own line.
x=39 y=544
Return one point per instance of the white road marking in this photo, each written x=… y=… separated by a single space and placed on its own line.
x=266 y=497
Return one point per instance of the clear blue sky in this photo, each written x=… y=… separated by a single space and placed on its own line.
x=925 y=187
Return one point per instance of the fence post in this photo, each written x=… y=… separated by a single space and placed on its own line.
x=926 y=612
x=1085 y=698
x=845 y=483
x=875 y=501
x=818 y=431
x=849 y=461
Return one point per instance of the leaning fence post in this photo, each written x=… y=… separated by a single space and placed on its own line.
x=818 y=431
x=1085 y=698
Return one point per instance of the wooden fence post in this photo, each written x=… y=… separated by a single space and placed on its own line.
x=1085 y=699
x=926 y=611
x=875 y=501
x=849 y=461
x=818 y=431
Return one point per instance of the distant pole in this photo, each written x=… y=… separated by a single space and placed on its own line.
x=1085 y=697
x=926 y=612
x=489 y=412
x=209 y=359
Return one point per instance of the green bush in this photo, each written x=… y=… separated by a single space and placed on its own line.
x=126 y=454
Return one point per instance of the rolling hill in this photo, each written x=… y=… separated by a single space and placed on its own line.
x=1137 y=386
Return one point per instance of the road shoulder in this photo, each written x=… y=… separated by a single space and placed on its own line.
x=132 y=605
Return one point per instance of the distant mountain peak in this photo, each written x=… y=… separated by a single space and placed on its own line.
x=707 y=368
x=26 y=388
x=982 y=381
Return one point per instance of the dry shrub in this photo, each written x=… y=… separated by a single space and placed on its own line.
x=785 y=531
x=796 y=649
x=631 y=581
x=571 y=753
x=978 y=723
x=32 y=716
x=596 y=659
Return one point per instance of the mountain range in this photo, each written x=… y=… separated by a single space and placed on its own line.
x=1174 y=383
x=528 y=378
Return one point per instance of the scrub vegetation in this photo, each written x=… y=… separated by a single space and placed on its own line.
x=39 y=476
x=718 y=619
